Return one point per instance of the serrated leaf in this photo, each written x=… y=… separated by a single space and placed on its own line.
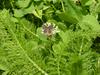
x=66 y=36
x=58 y=48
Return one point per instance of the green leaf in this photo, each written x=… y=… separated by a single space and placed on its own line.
x=66 y=36
x=19 y=13
x=59 y=48
x=22 y=3
x=37 y=12
x=41 y=35
x=72 y=14
x=89 y=22
x=67 y=17
x=83 y=2
x=98 y=8
x=33 y=10
x=22 y=12
x=88 y=2
x=14 y=19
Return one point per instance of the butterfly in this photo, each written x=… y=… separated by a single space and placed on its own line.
x=48 y=29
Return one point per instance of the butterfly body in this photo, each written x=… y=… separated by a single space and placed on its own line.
x=49 y=29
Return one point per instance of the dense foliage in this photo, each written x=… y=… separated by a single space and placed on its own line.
x=26 y=50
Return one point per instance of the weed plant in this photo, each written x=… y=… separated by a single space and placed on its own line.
x=49 y=37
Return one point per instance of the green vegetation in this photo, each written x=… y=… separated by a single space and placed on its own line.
x=27 y=47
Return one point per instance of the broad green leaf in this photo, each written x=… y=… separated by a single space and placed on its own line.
x=30 y=9
x=14 y=19
x=22 y=3
x=83 y=2
x=22 y=12
x=89 y=2
x=67 y=17
x=72 y=14
x=89 y=22
x=98 y=8
x=19 y=12
x=41 y=35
